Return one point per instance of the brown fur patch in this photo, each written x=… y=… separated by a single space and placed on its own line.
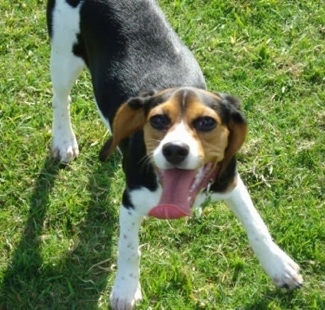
x=213 y=142
x=185 y=106
x=218 y=145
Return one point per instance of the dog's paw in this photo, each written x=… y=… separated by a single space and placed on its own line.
x=65 y=147
x=284 y=272
x=124 y=298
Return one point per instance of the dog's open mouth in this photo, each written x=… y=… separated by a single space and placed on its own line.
x=180 y=188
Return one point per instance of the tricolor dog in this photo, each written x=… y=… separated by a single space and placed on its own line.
x=178 y=140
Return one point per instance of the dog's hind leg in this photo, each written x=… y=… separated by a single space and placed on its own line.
x=65 y=69
x=64 y=72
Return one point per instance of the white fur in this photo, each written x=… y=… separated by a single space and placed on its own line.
x=277 y=264
x=179 y=133
x=65 y=69
x=126 y=290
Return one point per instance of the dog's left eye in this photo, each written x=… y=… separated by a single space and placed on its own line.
x=160 y=122
x=205 y=123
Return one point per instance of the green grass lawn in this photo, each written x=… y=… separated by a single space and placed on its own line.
x=59 y=225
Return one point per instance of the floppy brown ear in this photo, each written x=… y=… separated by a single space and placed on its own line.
x=237 y=126
x=129 y=118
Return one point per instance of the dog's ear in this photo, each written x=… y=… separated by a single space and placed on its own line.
x=237 y=126
x=129 y=118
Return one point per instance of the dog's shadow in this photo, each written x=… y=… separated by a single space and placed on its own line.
x=79 y=280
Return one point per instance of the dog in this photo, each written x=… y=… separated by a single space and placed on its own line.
x=178 y=140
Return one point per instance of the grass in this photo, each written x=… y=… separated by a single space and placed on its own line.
x=59 y=224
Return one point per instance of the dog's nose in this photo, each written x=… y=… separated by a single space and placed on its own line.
x=175 y=153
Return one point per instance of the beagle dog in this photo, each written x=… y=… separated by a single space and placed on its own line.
x=178 y=140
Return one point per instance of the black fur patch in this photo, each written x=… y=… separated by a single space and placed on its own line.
x=79 y=50
x=73 y=3
x=126 y=201
x=49 y=12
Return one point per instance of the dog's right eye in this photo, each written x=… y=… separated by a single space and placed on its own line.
x=160 y=122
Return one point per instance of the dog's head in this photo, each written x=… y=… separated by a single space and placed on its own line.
x=191 y=135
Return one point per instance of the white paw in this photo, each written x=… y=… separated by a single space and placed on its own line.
x=284 y=271
x=64 y=146
x=124 y=297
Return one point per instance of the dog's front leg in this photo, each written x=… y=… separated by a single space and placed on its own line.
x=126 y=290
x=278 y=265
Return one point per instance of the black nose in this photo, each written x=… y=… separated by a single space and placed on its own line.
x=175 y=153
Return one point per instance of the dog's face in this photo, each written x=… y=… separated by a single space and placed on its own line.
x=184 y=132
x=190 y=136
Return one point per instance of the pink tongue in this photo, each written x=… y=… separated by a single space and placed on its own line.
x=174 y=199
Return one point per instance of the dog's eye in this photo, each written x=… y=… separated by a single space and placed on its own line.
x=160 y=122
x=205 y=123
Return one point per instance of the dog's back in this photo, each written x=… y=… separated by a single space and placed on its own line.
x=127 y=45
